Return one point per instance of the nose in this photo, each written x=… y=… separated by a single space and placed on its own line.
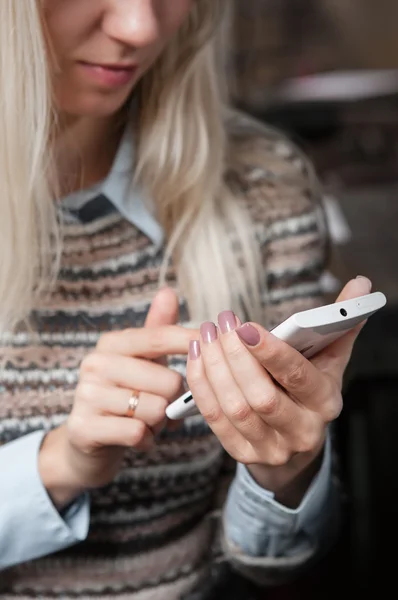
x=132 y=22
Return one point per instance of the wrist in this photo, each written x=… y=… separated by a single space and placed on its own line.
x=289 y=482
x=55 y=471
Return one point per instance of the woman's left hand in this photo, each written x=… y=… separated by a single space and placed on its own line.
x=267 y=404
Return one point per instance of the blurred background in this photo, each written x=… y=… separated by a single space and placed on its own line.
x=326 y=72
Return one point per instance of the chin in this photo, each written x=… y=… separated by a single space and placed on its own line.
x=94 y=105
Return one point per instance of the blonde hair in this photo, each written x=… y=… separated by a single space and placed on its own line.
x=28 y=227
x=182 y=156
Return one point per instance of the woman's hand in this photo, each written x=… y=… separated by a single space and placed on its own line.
x=268 y=405
x=86 y=452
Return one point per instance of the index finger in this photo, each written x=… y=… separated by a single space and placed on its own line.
x=148 y=343
x=164 y=310
x=287 y=366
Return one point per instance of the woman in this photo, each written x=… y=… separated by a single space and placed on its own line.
x=113 y=107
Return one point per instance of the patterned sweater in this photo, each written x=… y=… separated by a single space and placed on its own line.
x=150 y=533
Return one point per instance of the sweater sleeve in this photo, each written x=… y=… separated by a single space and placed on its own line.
x=30 y=525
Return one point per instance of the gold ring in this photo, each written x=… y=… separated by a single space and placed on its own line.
x=133 y=403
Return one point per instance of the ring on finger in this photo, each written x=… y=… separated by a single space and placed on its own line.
x=133 y=403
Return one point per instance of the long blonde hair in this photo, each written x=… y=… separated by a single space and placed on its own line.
x=182 y=155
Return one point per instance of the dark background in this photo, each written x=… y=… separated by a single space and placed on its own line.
x=287 y=59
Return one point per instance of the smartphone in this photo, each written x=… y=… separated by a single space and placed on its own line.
x=308 y=331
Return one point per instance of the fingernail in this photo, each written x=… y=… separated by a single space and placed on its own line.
x=208 y=331
x=194 y=349
x=226 y=321
x=365 y=279
x=248 y=334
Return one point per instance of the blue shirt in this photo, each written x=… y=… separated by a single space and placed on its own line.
x=30 y=525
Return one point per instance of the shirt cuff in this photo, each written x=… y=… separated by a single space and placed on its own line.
x=259 y=525
x=30 y=525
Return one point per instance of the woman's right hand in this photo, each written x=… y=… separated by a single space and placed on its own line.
x=86 y=452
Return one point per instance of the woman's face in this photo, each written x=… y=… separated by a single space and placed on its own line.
x=101 y=48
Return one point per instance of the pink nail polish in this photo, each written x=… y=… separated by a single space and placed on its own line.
x=248 y=334
x=194 y=349
x=226 y=321
x=208 y=331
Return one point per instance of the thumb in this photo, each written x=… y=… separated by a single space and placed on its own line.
x=335 y=357
x=354 y=288
x=164 y=309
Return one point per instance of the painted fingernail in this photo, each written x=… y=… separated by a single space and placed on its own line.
x=369 y=283
x=208 y=331
x=227 y=321
x=194 y=349
x=248 y=334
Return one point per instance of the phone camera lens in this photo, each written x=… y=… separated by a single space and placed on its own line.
x=343 y=312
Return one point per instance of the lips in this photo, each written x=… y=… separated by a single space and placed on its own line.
x=109 y=75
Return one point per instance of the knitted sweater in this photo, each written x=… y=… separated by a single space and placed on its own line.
x=150 y=533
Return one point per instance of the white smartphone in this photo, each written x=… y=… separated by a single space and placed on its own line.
x=308 y=331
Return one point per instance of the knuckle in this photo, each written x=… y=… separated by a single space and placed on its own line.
x=279 y=457
x=241 y=453
x=86 y=392
x=105 y=342
x=244 y=458
x=332 y=407
x=214 y=360
x=126 y=333
x=266 y=404
x=212 y=414
x=309 y=440
x=239 y=412
x=90 y=363
x=297 y=377
x=234 y=351
x=270 y=352
x=270 y=404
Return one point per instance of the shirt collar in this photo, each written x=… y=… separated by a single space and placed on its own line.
x=130 y=200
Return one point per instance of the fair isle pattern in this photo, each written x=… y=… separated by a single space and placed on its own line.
x=151 y=530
